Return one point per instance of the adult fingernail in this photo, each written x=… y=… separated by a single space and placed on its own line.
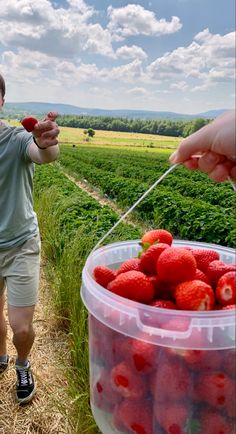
x=174 y=157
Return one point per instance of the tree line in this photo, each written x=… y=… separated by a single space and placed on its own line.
x=175 y=128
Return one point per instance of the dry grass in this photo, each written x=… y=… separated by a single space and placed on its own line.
x=49 y=412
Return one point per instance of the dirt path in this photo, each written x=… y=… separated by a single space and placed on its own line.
x=86 y=187
x=49 y=411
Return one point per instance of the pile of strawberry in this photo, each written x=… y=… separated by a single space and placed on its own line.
x=144 y=388
x=151 y=389
x=172 y=277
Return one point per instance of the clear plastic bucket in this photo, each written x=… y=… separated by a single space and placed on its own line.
x=175 y=369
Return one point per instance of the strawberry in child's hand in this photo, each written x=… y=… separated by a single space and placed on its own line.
x=176 y=265
x=103 y=275
x=194 y=295
x=29 y=123
x=51 y=116
x=136 y=416
x=157 y=236
x=204 y=257
x=148 y=258
x=218 y=268
x=133 y=285
x=130 y=264
x=226 y=289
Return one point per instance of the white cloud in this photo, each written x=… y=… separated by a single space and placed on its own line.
x=210 y=58
x=131 y=52
x=63 y=32
x=133 y=19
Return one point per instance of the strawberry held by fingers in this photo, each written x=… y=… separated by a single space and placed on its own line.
x=51 y=116
x=29 y=123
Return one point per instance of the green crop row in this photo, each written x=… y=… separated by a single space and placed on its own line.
x=148 y=169
x=179 y=206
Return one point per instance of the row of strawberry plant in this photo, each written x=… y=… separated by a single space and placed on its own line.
x=194 y=184
x=188 y=218
x=77 y=207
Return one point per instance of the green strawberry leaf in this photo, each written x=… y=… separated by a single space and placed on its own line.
x=144 y=246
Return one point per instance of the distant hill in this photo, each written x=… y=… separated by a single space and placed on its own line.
x=20 y=109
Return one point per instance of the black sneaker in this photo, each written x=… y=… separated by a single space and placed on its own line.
x=25 y=386
x=4 y=366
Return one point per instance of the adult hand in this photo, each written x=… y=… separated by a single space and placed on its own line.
x=211 y=149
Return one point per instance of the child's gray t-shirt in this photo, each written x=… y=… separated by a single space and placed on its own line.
x=18 y=221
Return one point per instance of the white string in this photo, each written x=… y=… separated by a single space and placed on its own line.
x=136 y=204
x=232 y=183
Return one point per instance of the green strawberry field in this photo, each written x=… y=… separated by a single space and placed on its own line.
x=71 y=222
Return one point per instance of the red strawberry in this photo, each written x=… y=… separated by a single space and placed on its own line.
x=194 y=295
x=172 y=381
x=212 y=422
x=29 y=123
x=229 y=306
x=103 y=275
x=201 y=276
x=226 y=289
x=136 y=416
x=192 y=357
x=143 y=356
x=157 y=236
x=162 y=289
x=130 y=264
x=126 y=382
x=176 y=265
x=204 y=257
x=173 y=417
x=103 y=395
x=133 y=285
x=216 y=269
x=229 y=362
x=148 y=258
x=216 y=389
x=164 y=304
x=52 y=116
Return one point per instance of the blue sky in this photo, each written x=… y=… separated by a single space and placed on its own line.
x=172 y=55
